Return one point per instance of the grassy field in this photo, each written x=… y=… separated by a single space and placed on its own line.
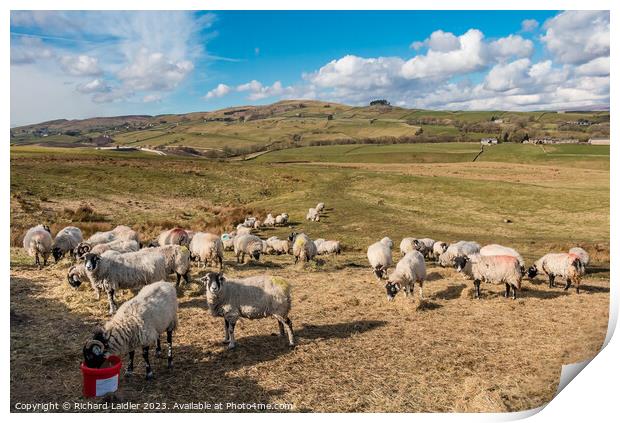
x=446 y=353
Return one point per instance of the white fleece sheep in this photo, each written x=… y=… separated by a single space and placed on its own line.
x=228 y=240
x=279 y=246
x=242 y=230
x=461 y=248
x=303 y=247
x=328 y=247
x=269 y=220
x=207 y=248
x=124 y=271
x=38 y=243
x=255 y=297
x=407 y=245
x=121 y=232
x=439 y=247
x=247 y=244
x=583 y=255
x=380 y=257
x=281 y=219
x=320 y=207
x=65 y=241
x=174 y=236
x=496 y=269
x=116 y=245
x=138 y=323
x=313 y=215
x=500 y=250
x=177 y=259
x=564 y=265
x=424 y=245
x=409 y=270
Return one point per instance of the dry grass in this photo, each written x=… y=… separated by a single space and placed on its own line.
x=448 y=353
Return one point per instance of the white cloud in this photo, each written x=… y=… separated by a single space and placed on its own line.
x=468 y=57
x=94 y=86
x=154 y=71
x=258 y=91
x=511 y=46
x=504 y=77
x=151 y=98
x=220 y=91
x=29 y=50
x=577 y=37
x=353 y=72
x=596 y=67
x=439 y=41
x=529 y=25
x=80 y=65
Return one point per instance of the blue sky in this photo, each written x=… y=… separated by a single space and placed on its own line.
x=81 y=64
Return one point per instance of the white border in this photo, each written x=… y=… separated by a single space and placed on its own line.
x=592 y=395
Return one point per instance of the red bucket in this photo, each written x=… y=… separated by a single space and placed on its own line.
x=98 y=382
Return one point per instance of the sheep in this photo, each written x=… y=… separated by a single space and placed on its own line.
x=206 y=248
x=256 y=225
x=228 y=240
x=439 y=247
x=583 y=255
x=249 y=222
x=121 y=232
x=123 y=271
x=38 y=243
x=266 y=248
x=565 y=265
x=278 y=246
x=461 y=248
x=313 y=215
x=190 y=235
x=138 y=323
x=407 y=245
x=303 y=247
x=320 y=207
x=176 y=236
x=255 y=297
x=282 y=219
x=500 y=250
x=328 y=247
x=269 y=220
x=493 y=269
x=66 y=240
x=177 y=258
x=247 y=244
x=242 y=230
x=409 y=270
x=77 y=273
x=380 y=257
x=116 y=245
x=424 y=245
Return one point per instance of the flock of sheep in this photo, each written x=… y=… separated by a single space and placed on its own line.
x=117 y=260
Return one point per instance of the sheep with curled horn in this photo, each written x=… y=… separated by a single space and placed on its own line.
x=138 y=323
x=65 y=241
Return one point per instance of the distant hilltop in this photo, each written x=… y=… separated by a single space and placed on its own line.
x=293 y=123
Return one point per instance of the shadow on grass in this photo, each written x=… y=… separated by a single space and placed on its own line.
x=451 y=292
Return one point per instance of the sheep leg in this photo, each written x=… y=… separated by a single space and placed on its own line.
x=186 y=277
x=36 y=259
x=551 y=281
x=226 y=337
x=514 y=292
x=111 y=301
x=568 y=284
x=44 y=260
x=178 y=279
x=158 y=348
x=477 y=289
x=421 y=290
x=145 y=356
x=129 y=370
x=169 y=341
x=231 y=335
x=288 y=326
x=507 y=293
x=281 y=327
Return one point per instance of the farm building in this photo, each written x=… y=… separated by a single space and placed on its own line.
x=488 y=141
x=599 y=141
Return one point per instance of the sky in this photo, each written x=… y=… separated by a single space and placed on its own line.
x=73 y=64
